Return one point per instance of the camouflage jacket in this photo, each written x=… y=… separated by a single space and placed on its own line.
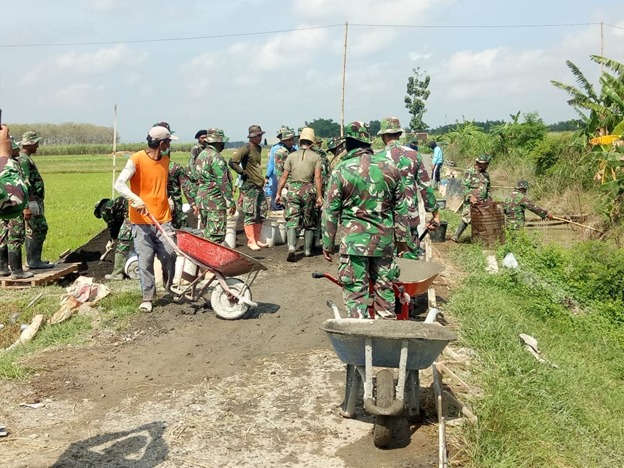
x=177 y=181
x=365 y=206
x=195 y=150
x=336 y=159
x=325 y=167
x=114 y=212
x=214 y=180
x=478 y=184
x=412 y=169
x=280 y=155
x=515 y=204
x=13 y=189
x=31 y=173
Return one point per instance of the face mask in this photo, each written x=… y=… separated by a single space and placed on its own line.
x=166 y=152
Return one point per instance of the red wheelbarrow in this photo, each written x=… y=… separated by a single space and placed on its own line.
x=415 y=278
x=230 y=298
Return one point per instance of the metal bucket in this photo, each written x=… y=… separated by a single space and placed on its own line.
x=439 y=235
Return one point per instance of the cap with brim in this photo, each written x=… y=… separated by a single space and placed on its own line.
x=483 y=158
x=216 y=135
x=390 y=126
x=161 y=133
x=30 y=138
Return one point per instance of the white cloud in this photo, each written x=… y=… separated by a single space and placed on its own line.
x=77 y=94
x=100 y=61
x=418 y=56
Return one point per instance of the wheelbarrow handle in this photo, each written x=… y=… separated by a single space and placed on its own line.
x=317 y=275
x=333 y=279
x=422 y=236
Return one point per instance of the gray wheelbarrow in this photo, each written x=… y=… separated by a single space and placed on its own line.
x=404 y=345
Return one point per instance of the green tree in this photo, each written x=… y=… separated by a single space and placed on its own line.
x=375 y=125
x=417 y=94
x=324 y=128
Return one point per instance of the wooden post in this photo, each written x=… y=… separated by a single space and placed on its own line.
x=437 y=389
x=344 y=73
x=114 y=150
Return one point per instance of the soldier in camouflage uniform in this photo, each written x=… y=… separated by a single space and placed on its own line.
x=365 y=202
x=247 y=161
x=302 y=172
x=115 y=215
x=200 y=136
x=336 y=146
x=271 y=179
x=416 y=178
x=215 y=198
x=34 y=214
x=517 y=202
x=287 y=146
x=13 y=199
x=477 y=191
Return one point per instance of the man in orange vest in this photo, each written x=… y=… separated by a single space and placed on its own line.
x=147 y=171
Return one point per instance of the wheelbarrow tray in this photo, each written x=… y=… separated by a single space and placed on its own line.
x=228 y=262
x=416 y=275
x=425 y=341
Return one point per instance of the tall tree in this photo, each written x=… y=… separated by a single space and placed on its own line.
x=417 y=94
x=375 y=125
x=324 y=128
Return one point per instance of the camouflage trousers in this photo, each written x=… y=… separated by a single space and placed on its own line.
x=178 y=216
x=367 y=279
x=214 y=224
x=124 y=238
x=12 y=233
x=37 y=226
x=301 y=212
x=413 y=244
x=465 y=216
x=254 y=203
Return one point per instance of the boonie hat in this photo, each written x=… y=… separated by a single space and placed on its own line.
x=286 y=133
x=334 y=142
x=483 y=158
x=216 y=135
x=97 y=211
x=254 y=131
x=390 y=125
x=14 y=144
x=523 y=184
x=30 y=138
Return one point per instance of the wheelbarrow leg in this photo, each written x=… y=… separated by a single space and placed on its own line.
x=352 y=389
x=413 y=395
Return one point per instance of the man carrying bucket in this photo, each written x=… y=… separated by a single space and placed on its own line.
x=477 y=191
x=302 y=171
x=365 y=201
x=412 y=169
x=215 y=198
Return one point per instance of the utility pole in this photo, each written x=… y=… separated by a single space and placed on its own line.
x=601 y=46
x=114 y=150
x=344 y=71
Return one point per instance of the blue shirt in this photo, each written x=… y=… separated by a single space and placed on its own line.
x=438 y=157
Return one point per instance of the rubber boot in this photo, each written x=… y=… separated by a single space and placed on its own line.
x=118 y=268
x=33 y=255
x=4 y=261
x=15 y=262
x=251 y=237
x=308 y=241
x=460 y=229
x=291 y=236
x=257 y=231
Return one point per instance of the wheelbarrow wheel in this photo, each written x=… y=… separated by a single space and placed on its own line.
x=226 y=306
x=382 y=433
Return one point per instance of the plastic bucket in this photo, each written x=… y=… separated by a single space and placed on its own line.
x=280 y=232
x=267 y=235
x=439 y=235
x=441 y=202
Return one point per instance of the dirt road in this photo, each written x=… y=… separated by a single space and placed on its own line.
x=179 y=389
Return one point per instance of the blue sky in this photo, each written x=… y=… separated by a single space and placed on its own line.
x=476 y=73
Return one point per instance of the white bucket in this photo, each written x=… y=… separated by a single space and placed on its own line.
x=267 y=235
x=185 y=270
x=280 y=232
x=230 y=231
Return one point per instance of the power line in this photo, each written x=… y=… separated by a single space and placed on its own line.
x=168 y=39
x=281 y=31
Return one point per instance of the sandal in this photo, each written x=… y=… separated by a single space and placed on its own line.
x=146 y=306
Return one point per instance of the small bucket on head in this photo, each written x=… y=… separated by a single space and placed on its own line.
x=439 y=235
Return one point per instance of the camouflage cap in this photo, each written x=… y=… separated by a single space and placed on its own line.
x=285 y=133
x=523 y=184
x=483 y=159
x=30 y=138
x=390 y=125
x=216 y=135
x=254 y=131
x=97 y=210
x=359 y=131
x=334 y=142
x=14 y=144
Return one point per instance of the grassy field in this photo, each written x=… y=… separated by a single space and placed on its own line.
x=532 y=414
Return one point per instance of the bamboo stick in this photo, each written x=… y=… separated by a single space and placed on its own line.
x=577 y=224
x=437 y=388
